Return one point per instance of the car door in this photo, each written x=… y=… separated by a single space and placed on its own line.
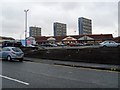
x=5 y=52
x=105 y=43
x=114 y=44
x=109 y=44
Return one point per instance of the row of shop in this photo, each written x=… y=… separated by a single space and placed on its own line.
x=92 y=39
x=96 y=38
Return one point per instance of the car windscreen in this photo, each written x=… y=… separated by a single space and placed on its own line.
x=16 y=49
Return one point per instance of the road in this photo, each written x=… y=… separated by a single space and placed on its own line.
x=41 y=75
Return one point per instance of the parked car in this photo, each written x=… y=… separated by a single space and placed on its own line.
x=11 y=53
x=0 y=52
x=109 y=44
x=30 y=46
x=79 y=44
x=46 y=45
x=61 y=44
x=49 y=45
x=119 y=44
x=53 y=45
x=72 y=44
x=12 y=43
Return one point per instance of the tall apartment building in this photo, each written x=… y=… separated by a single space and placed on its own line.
x=84 y=26
x=59 y=29
x=34 y=31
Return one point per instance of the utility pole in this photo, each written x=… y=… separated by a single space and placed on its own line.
x=26 y=26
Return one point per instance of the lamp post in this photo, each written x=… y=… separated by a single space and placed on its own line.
x=26 y=26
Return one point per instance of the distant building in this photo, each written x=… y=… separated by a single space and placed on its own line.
x=59 y=29
x=9 y=41
x=117 y=39
x=2 y=39
x=94 y=38
x=84 y=26
x=34 y=31
x=6 y=38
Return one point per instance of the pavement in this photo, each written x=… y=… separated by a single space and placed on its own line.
x=76 y=64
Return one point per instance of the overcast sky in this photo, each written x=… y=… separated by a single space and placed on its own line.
x=104 y=16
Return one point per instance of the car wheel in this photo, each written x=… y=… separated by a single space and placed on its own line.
x=9 y=58
x=104 y=46
x=118 y=46
x=20 y=60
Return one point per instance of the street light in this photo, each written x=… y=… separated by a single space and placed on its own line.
x=26 y=26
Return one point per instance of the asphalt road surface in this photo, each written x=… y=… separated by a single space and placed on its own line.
x=41 y=75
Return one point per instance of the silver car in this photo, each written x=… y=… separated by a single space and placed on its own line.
x=109 y=44
x=11 y=53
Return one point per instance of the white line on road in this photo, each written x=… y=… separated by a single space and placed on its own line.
x=12 y=79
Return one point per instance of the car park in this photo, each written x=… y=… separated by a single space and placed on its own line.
x=30 y=46
x=11 y=43
x=109 y=44
x=72 y=44
x=79 y=44
x=61 y=44
x=53 y=45
x=48 y=45
x=11 y=53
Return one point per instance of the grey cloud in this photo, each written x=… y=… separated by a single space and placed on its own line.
x=119 y=18
x=44 y=14
x=70 y=5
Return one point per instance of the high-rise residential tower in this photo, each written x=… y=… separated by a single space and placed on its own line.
x=34 y=31
x=84 y=26
x=59 y=29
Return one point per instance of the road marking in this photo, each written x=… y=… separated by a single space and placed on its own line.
x=12 y=79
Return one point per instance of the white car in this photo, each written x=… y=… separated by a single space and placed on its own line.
x=11 y=53
x=30 y=46
x=109 y=44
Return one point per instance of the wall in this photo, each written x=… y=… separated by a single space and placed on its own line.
x=91 y=55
